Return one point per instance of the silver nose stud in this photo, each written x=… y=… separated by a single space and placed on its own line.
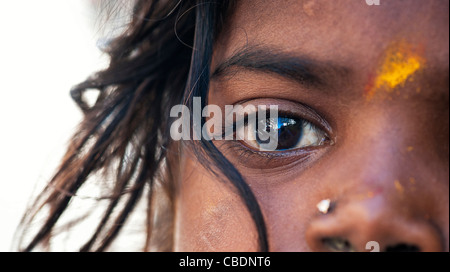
x=324 y=206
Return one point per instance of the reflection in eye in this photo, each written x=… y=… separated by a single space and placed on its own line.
x=293 y=133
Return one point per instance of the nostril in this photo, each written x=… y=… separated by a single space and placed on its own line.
x=403 y=248
x=371 y=226
x=337 y=244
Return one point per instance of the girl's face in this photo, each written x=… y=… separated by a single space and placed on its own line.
x=369 y=84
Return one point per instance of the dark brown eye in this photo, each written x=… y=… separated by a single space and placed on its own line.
x=292 y=133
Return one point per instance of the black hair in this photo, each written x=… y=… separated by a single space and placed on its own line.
x=162 y=59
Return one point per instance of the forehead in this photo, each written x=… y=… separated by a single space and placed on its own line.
x=348 y=32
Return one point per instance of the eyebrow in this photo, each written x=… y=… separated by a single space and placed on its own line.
x=303 y=70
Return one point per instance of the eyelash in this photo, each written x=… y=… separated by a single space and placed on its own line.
x=244 y=151
x=269 y=159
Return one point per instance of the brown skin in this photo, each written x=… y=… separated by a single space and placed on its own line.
x=387 y=174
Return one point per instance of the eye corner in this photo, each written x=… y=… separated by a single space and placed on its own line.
x=328 y=140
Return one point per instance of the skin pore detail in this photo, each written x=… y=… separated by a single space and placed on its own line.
x=401 y=61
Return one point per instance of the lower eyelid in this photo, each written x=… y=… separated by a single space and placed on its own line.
x=251 y=158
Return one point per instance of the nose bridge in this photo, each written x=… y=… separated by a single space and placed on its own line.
x=379 y=149
x=386 y=161
x=383 y=156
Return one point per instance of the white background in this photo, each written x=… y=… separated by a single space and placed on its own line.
x=46 y=47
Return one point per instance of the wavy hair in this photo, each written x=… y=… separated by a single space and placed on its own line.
x=162 y=59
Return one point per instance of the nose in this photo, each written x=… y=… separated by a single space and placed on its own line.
x=370 y=224
x=386 y=189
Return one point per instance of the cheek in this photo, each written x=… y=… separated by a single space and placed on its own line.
x=288 y=204
x=209 y=216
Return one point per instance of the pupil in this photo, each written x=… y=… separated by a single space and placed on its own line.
x=289 y=132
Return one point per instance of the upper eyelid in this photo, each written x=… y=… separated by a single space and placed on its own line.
x=302 y=111
x=283 y=114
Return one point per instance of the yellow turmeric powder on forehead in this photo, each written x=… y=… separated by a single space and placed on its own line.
x=401 y=61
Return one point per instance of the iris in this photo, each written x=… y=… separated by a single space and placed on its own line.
x=289 y=130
